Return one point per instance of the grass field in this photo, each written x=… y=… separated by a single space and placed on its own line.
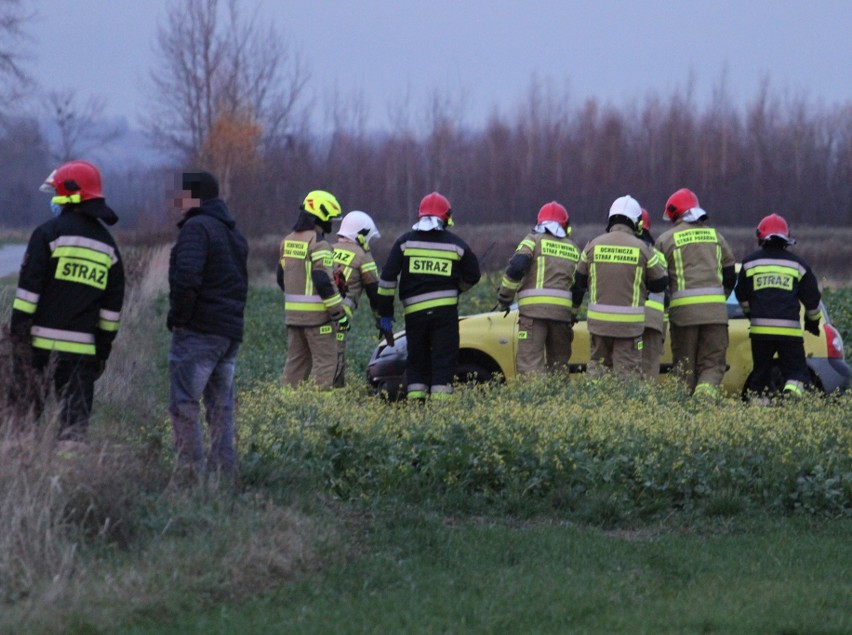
x=546 y=507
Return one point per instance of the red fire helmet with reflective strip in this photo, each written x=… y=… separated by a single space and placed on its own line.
x=773 y=226
x=75 y=181
x=437 y=205
x=679 y=203
x=553 y=211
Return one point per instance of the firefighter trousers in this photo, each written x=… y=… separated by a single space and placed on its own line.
x=311 y=355
x=543 y=345
x=623 y=355
x=433 y=350
x=791 y=362
x=652 y=351
x=698 y=353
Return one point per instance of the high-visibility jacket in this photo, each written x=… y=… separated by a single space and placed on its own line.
x=71 y=285
x=771 y=285
x=305 y=275
x=701 y=273
x=656 y=311
x=433 y=267
x=541 y=273
x=359 y=270
x=619 y=271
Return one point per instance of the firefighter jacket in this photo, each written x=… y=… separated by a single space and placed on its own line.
x=656 y=309
x=305 y=275
x=71 y=285
x=359 y=272
x=619 y=270
x=701 y=273
x=208 y=277
x=771 y=284
x=433 y=267
x=541 y=272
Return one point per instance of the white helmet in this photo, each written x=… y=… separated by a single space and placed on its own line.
x=358 y=227
x=626 y=206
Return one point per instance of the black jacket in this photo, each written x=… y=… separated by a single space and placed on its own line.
x=71 y=285
x=460 y=270
x=771 y=285
x=208 y=276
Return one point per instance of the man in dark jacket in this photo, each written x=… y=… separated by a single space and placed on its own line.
x=68 y=302
x=208 y=283
x=772 y=284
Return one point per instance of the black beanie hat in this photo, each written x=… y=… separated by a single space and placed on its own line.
x=202 y=185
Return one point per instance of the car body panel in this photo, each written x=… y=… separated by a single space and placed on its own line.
x=489 y=340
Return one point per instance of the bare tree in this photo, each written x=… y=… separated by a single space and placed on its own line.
x=212 y=68
x=13 y=77
x=81 y=126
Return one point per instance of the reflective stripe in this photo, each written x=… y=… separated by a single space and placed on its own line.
x=638 y=278
x=773 y=322
x=776 y=269
x=539 y=272
x=775 y=330
x=23 y=306
x=83 y=253
x=544 y=296
x=509 y=283
x=70 y=242
x=294 y=302
x=815 y=314
x=367 y=267
x=705 y=295
x=63 y=341
x=781 y=263
x=529 y=244
x=426 y=248
x=654 y=305
x=387 y=291
x=27 y=296
x=332 y=301
x=614 y=313
x=430 y=301
x=109 y=320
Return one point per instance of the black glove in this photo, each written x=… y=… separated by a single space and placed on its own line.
x=343 y=324
x=503 y=306
x=99 y=369
x=812 y=326
x=573 y=316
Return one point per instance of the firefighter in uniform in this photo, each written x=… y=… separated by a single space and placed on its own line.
x=771 y=285
x=355 y=272
x=70 y=292
x=619 y=270
x=312 y=302
x=656 y=314
x=541 y=272
x=433 y=266
x=702 y=275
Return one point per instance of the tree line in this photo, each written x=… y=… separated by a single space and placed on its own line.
x=229 y=95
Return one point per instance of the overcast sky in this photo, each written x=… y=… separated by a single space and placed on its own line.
x=482 y=53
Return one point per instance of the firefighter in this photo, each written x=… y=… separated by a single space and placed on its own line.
x=312 y=302
x=656 y=314
x=702 y=275
x=68 y=302
x=541 y=273
x=619 y=270
x=355 y=272
x=771 y=285
x=433 y=266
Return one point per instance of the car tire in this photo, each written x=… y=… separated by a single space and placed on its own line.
x=473 y=373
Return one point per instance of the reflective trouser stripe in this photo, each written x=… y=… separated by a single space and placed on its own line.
x=429 y=304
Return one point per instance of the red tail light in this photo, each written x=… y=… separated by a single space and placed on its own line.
x=833 y=341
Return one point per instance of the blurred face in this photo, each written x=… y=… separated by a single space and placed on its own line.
x=184 y=202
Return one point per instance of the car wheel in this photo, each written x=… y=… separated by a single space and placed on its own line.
x=473 y=373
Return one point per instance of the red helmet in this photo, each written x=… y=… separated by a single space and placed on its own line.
x=435 y=204
x=553 y=211
x=773 y=226
x=646 y=220
x=679 y=203
x=75 y=181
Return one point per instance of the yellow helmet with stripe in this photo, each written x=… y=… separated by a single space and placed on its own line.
x=321 y=204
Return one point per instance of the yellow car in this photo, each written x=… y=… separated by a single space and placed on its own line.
x=488 y=344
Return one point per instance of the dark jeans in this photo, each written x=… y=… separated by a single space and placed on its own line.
x=203 y=365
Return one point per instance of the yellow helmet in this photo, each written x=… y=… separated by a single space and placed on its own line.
x=321 y=204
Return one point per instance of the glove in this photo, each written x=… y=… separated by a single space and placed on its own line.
x=503 y=306
x=386 y=324
x=812 y=326
x=99 y=368
x=343 y=324
x=573 y=316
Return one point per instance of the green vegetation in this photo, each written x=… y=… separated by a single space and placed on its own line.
x=542 y=506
